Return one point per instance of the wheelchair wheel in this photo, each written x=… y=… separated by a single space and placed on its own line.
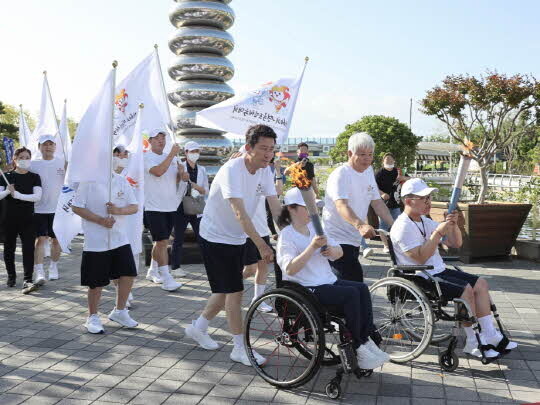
x=403 y=316
x=283 y=337
x=332 y=340
x=448 y=361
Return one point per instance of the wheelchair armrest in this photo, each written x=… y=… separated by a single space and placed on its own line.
x=450 y=259
x=411 y=269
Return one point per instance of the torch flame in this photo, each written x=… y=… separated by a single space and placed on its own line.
x=468 y=146
x=299 y=176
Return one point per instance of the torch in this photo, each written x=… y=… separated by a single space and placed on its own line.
x=463 y=167
x=300 y=180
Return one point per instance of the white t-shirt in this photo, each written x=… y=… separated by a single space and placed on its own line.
x=407 y=234
x=260 y=221
x=317 y=270
x=93 y=196
x=359 y=189
x=219 y=223
x=160 y=193
x=52 y=173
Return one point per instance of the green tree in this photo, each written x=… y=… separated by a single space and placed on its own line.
x=389 y=135
x=7 y=128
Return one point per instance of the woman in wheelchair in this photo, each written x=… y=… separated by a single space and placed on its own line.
x=415 y=239
x=300 y=255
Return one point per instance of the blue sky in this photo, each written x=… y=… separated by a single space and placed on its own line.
x=366 y=57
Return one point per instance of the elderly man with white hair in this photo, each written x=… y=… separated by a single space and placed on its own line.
x=350 y=190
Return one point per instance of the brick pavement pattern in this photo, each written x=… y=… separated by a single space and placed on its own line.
x=46 y=356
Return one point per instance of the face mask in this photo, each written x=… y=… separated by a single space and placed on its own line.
x=193 y=157
x=389 y=167
x=119 y=163
x=23 y=164
x=302 y=156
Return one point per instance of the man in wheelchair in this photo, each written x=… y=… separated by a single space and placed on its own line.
x=303 y=256
x=415 y=239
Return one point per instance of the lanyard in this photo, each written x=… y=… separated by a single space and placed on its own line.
x=423 y=232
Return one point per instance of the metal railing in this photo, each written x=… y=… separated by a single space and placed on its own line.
x=508 y=181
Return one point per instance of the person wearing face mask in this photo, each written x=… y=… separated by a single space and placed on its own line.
x=120 y=159
x=198 y=180
x=23 y=190
x=52 y=172
x=303 y=156
x=387 y=179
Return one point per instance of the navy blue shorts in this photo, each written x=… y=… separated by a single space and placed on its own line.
x=44 y=225
x=160 y=224
x=251 y=253
x=224 y=265
x=453 y=283
x=99 y=268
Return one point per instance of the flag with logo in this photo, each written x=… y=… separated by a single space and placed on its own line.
x=66 y=223
x=91 y=150
x=142 y=85
x=271 y=104
x=24 y=131
x=135 y=178
x=8 y=148
x=64 y=132
x=47 y=124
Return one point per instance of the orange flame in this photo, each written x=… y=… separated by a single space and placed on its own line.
x=468 y=146
x=299 y=176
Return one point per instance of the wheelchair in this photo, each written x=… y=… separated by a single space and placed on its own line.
x=408 y=308
x=299 y=337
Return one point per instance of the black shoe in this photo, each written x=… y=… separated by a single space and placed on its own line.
x=28 y=287
x=11 y=281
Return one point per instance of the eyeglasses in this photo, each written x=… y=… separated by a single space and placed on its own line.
x=426 y=199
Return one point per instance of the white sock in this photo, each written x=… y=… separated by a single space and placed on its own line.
x=163 y=269
x=259 y=290
x=154 y=265
x=202 y=324
x=39 y=267
x=486 y=323
x=469 y=331
x=53 y=264
x=238 y=340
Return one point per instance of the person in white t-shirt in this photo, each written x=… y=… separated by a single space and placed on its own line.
x=106 y=253
x=52 y=172
x=301 y=260
x=350 y=190
x=162 y=173
x=415 y=239
x=226 y=223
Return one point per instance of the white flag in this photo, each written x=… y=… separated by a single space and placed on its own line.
x=135 y=177
x=64 y=132
x=91 y=150
x=142 y=85
x=66 y=224
x=271 y=104
x=24 y=132
x=47 y=124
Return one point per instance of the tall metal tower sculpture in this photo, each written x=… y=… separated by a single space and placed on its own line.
x=201 y=68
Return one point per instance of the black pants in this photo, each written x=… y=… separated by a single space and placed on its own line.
x=22 y=226
x=180 y=225
x=269 y=218
x=347 y=266
x=355 y=300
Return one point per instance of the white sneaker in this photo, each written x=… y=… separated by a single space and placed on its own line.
x=122 y=317
x=496 y=338
x=53 y=273
x=179 y=272
x=367 y=252
x=471 y=347
x=377 y=351
x=130 y=297
x=93 y=324
x=203 y=339
x=264 y=307
x=367 y=360
x=169 y=283
x=239 y=354
x=154 y=276
x=40 y=277
x=386 y=250
x=128 y=304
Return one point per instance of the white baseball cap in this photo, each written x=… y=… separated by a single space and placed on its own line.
x=156 y=132
x=416 y=187
x=294 y=196
x=45 y=138
x=191 y=145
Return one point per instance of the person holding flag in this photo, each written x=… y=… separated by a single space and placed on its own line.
x=198 y=182
x=225 y=225
x=162 y=173
x=52 y=172
x=22 y=189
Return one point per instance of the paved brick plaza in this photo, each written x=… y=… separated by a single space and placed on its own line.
x=47 y=357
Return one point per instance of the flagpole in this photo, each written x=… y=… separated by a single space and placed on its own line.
x=54 y=113
x=111 y=134
x=5 y=179
x=171 y=127
x=21 y=117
